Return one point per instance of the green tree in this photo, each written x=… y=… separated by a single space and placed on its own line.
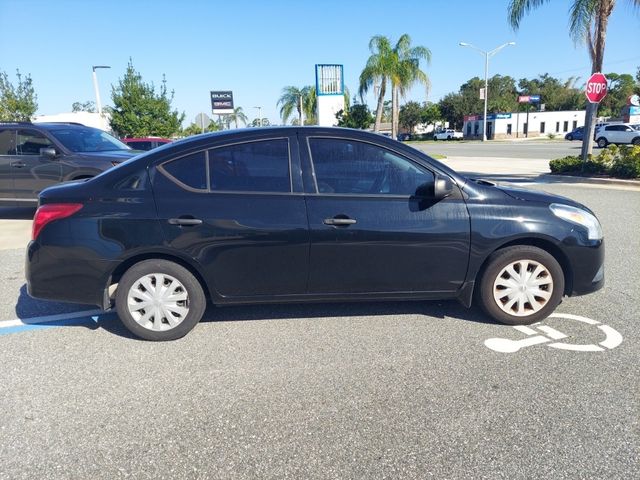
x=555 y=94
x=87 y=106
x=195 y=129
x=357 y=116
x=430 y=113
x=588 y=21
x=411 y=115
x=620 y=88
x=17 y=103
x=237 y=116
x=139 y=111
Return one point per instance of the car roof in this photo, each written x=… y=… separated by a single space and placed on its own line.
x=145 y=139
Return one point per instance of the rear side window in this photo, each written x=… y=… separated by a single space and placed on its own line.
x=7 y=138
x=30 y=142
x=189 y=171
x=261 y=166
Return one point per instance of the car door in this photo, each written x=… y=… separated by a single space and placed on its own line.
x=369 y=233
x=237 y=209
x=7 y=150
x=32 y=171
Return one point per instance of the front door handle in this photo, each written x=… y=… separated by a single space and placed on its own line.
x=185 y=221
x=18 y=164
x=339 y=221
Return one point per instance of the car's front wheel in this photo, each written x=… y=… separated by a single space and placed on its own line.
x=159 y=300
x=521 y=285
x=602 y=142
x=570 y=137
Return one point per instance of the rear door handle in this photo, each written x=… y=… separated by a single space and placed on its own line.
x=339 y=222
x=18 y=164
x=185 y=222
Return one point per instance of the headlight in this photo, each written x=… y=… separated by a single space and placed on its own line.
x=579 y=217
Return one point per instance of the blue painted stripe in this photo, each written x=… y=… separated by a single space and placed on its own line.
x=80 y=321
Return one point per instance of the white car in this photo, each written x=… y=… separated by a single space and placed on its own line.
x=617 y=133
x=447 y=134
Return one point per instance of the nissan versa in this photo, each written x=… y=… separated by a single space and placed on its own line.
x=303 y=214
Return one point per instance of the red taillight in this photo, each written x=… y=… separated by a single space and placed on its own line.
x=50 y=212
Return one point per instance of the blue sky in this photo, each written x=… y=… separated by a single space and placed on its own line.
x=255 y=48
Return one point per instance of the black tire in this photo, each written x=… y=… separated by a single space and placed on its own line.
x=195 y=301
x=498 y=261
x=435 y=139
x=449 y=137
x=602 y=142
x=570 y=137
x=635 y=141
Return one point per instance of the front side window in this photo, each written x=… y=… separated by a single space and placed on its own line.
x=351 y=167
x=30 y=142
x=260 y=166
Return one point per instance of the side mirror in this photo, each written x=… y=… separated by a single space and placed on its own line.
x=440 y=188
x=49 y=152
x=443 y=187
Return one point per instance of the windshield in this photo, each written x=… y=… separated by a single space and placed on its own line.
x=87 y=140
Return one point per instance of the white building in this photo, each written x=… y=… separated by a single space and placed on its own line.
x=523 y=124
x=85 y=118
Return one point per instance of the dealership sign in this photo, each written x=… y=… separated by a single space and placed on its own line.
x=221 y=102
x=529 y=99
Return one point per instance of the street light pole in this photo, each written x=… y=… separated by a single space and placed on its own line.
x=95 y=86
x=259 y=115
x=487 y=55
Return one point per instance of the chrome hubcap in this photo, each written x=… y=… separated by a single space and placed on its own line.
x=158 y=302
x=523 y=288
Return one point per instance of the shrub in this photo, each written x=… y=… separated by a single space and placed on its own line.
x=551 y=136
x=621 y=162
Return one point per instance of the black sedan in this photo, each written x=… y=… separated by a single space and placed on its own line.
x=304 y=214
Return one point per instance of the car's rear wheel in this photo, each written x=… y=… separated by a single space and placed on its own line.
x=602 y=142
x=521 y=285
x=159 y=300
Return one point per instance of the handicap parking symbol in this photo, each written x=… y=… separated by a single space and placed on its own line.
x=538 y=334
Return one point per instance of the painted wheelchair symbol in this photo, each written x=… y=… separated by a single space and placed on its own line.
x=546 y=334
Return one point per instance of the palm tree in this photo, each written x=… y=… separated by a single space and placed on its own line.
x=237 y=116
x=377 y=70
x=295 y=99
x=406 y=72
x=399 y=65
x=588 y=21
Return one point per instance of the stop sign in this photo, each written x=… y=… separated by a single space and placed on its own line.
x=596 y=88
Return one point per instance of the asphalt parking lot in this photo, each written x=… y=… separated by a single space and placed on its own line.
x=384 y=390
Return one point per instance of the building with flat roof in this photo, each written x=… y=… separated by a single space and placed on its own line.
x=523 y=124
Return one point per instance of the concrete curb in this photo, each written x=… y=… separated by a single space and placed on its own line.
x=592 y=180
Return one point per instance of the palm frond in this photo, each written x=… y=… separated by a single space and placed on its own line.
x=519 y=8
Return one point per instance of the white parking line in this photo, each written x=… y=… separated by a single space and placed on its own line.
x=49 y=318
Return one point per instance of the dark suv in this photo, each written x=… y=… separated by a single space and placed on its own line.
x=304 y=214
x=34 y=156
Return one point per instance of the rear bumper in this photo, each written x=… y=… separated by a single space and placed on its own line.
x=52 y=274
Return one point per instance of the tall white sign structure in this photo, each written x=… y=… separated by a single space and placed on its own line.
x=329 y=93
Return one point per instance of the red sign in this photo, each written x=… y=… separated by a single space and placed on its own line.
x=524 y=99
x=596 y=88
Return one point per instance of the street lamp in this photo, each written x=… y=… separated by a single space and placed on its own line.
x=259 y=115
x=95 y=86
x=487 y=55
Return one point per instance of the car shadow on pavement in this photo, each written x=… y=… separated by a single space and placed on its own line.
x=17 y=213
x=29 y=308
